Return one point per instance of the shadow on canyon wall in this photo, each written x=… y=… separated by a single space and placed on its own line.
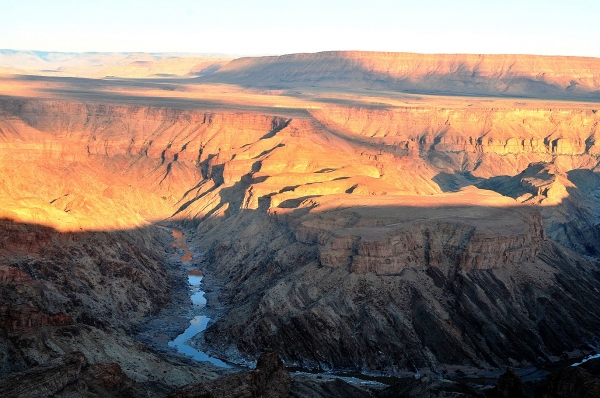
x=366 y=297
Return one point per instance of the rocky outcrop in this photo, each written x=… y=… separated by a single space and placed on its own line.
x=44 y=380
x=427 y=244
x=510 y=385
x=70 y=375
x=429 y=387
x=42 y=261
x=572 y=382
x=88 y=291
x=106 y=380
x=293 y=285
x=25 y=318
x=270 y=379
x=540 y=182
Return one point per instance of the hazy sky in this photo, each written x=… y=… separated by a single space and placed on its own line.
x=566 y=27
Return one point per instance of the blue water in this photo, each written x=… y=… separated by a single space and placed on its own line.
x=197 y=325
x=594 y=356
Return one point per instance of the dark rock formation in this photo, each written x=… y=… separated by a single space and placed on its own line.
x=270 y=379
x=592 y=366
x=477 y=299
x=510 y=385
x=102 y=380
x=428 y=387
x=310 y=387
x=50 y=279
x=71 y=376
x=44 y=380
x=62 y=292
x=572 y=382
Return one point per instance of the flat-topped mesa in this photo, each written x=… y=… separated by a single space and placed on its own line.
x=449 y=244
x=516 y=75
x=415 y=64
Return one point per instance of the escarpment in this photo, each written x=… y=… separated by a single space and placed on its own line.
x=499 y=131
x=471 y=74
x=427 y=244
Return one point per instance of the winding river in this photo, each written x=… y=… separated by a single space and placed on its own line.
x=199 y=322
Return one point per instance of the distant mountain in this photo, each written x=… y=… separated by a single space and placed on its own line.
x=98 y=65
x=455 y=74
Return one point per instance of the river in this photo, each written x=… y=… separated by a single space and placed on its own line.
x=199 y=322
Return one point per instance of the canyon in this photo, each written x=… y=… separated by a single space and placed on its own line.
x=385 y=214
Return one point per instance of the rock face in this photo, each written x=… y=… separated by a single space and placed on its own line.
x=68 y=376
x=104 y=380
x=385 y=250
x=465 y=276
x=83 y=291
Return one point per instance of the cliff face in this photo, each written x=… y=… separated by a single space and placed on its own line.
x=497 y=131
x=110 y=166
x=437 y=244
